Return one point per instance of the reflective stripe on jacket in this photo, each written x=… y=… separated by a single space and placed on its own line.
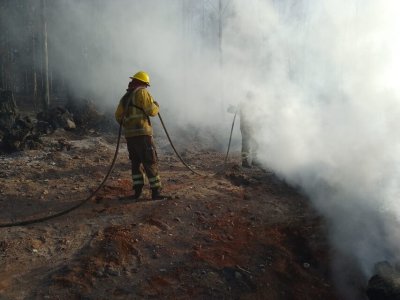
x=136 y=121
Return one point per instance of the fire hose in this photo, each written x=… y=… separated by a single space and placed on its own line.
x=66 y=211
x=176 y=152
x=181 y=159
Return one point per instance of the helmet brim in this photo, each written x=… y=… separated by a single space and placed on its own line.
x=148 y=84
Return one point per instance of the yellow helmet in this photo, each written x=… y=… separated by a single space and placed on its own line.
x=142 y=76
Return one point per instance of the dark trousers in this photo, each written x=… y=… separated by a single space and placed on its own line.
x=143 y=156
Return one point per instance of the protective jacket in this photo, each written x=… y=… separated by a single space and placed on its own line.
x=139 y=105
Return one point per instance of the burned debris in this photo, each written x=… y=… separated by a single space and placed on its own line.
x=23 y=134
x=20 y=131
x=16 y=132
x=385 y=284
x=54 y=118
x=87 y=116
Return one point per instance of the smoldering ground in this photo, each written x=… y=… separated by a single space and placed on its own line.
x=323 y=73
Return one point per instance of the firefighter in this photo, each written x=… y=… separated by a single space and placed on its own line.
x=134 y=111
x=249 y=144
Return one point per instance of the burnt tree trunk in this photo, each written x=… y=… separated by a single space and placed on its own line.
x=46 y=86
x=34 y=90
x=8 y=110
x=7 y=58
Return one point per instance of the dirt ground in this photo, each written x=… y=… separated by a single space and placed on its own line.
x=237 y=234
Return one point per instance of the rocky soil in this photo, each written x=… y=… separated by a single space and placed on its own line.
x=231 y=234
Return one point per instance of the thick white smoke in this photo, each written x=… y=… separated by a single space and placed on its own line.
x=122 y=37
x=328 y=111
x=324 y=73
x=328 y=116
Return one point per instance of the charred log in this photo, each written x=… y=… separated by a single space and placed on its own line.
x=87 y=116
x=84 y=112
x=54 y=118
x=22 y=135
x=16 y=132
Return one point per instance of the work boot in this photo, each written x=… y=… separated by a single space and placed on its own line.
x=155 y=195
x=138 y=191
